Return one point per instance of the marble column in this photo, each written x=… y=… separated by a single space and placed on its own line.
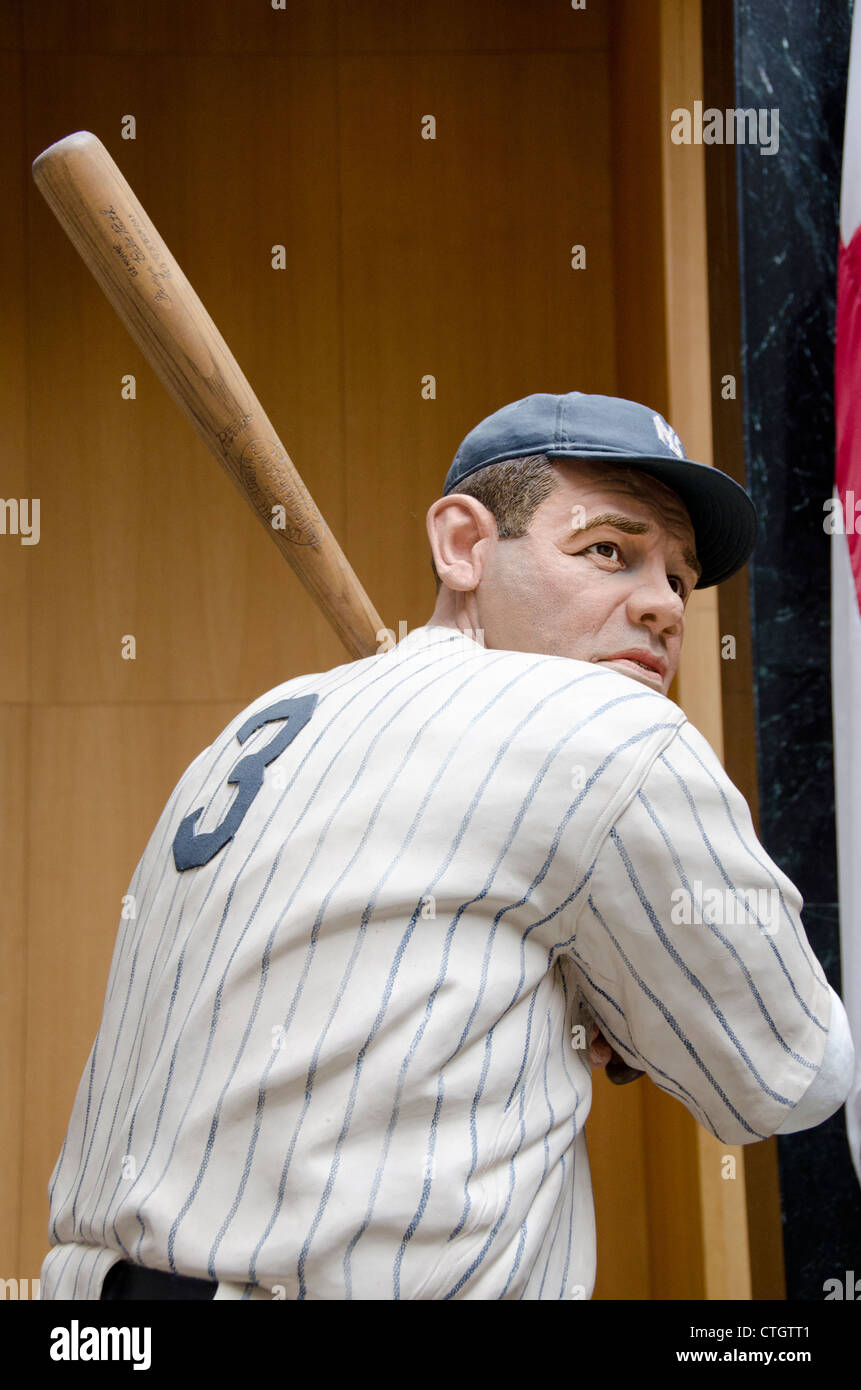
x=791 y=56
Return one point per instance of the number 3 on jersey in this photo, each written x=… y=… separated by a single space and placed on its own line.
x=191 y=850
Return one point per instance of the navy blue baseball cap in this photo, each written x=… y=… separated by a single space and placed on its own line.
x=605 y=429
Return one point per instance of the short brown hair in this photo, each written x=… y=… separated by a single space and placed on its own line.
x=512 y=491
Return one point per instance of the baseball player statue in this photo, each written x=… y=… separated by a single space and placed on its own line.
x=390 y=921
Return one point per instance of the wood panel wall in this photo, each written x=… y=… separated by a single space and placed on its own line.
x=405 y=259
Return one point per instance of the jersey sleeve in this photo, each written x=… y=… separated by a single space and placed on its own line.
x=832 y=1082
x=692 y=956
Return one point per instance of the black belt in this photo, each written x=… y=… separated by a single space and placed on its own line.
x=124 y=1280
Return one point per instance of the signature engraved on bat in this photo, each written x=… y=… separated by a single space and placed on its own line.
x=228 y=434
x=128 y=250
x=151 y=246
x=117 y=223
x=161 y=294
x=269 y=484
x=132 y=270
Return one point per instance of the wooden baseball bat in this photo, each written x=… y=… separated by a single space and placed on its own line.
x=108 y=226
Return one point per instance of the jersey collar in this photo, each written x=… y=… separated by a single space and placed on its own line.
x=430 y=634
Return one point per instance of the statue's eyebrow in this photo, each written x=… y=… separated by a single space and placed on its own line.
x=630 y=527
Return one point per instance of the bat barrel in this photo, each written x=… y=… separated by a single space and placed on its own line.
x=110 y=229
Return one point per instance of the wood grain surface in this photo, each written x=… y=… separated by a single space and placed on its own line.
x=108 y=226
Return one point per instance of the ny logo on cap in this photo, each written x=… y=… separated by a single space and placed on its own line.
x=668 y=436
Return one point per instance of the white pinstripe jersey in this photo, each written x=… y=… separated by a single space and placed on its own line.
x=335 y=1059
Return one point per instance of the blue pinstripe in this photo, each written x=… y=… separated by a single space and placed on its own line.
x=214 y=1020
x=316 y=1051
x=788 y=915
x=689 y=975
x=500 y=858
x=724 y=940
x=115 y=976
x=687 y=1044
x=626 y=1045
x=404 y=940
x=228 y=757
x=478 y=1212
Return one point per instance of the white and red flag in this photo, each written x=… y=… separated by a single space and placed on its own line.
x=846 y=579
